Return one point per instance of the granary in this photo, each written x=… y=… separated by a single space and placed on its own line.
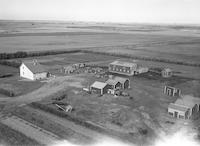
x=184 y=107
x=33 y=70
x=166 y=73
x=99 y=87
x=123 y=67
x=172 y=91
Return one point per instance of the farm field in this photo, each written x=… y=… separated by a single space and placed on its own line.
x=139 y=118
x=164 y=42
x=9 y=136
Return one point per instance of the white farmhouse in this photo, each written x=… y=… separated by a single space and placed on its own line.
x=33 y=70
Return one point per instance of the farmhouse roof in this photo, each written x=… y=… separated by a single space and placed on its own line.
x=177 y=107
x=123 y=63
x=35 y=67
x=98 y=85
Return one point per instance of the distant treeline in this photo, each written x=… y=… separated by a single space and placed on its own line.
x=5 y=56
x=143 y=58
x=22 y=54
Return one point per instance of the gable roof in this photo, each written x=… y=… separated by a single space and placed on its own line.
x=98 y=85
x=177 y=107
x=112 y=82
x=121 y=79
x=123 y=63
x=35 y=67
x=187 y=101
x=167 y=70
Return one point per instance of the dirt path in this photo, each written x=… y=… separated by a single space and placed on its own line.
x=40 y=135
x=53 y=86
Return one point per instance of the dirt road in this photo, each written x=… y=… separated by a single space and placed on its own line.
x=40 y=135
x=52 y=86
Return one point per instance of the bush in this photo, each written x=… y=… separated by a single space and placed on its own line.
x=7 y=92
x=143 y=131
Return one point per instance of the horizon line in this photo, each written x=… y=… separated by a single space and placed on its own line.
x=105 y=22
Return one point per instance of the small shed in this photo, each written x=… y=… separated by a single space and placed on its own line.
x=166 y=73
x=172 y=91
x=99 y=87
x=184 y=107
x=178 y=111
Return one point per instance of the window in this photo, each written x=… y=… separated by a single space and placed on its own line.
x=181 y=117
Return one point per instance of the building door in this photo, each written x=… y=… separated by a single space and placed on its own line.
x=126 y=84
x=175 y=114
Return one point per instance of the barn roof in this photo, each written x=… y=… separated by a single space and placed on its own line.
x=123 y=63
x=121 y=79
x=98 y=85
x=35 y=67
x=177 y=107
x=112 y=82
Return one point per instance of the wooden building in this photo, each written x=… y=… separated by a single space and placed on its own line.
x=172 y=91
x=122 y=67
x=166 y=73
x=99 y=88
x=184 y=107
x=33 y=70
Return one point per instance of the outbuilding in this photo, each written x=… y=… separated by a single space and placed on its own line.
x=99 y=87
x=33 y=70
x=166 y=73
x=114 y=84
x=172 y=91
x=124 y=81
x=123 y=67
x=184 y=107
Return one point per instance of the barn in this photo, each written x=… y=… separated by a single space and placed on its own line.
x=125 y=82
x=123 y=67
x=33 y=70
x=99 y=88
x=114 y=84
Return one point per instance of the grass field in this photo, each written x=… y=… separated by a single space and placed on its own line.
x=169 y=42
x=9 y=136
x=8 y=70
x=138 y=119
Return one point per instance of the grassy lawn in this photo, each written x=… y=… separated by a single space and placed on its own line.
x=23 y=87
x=8 y=70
